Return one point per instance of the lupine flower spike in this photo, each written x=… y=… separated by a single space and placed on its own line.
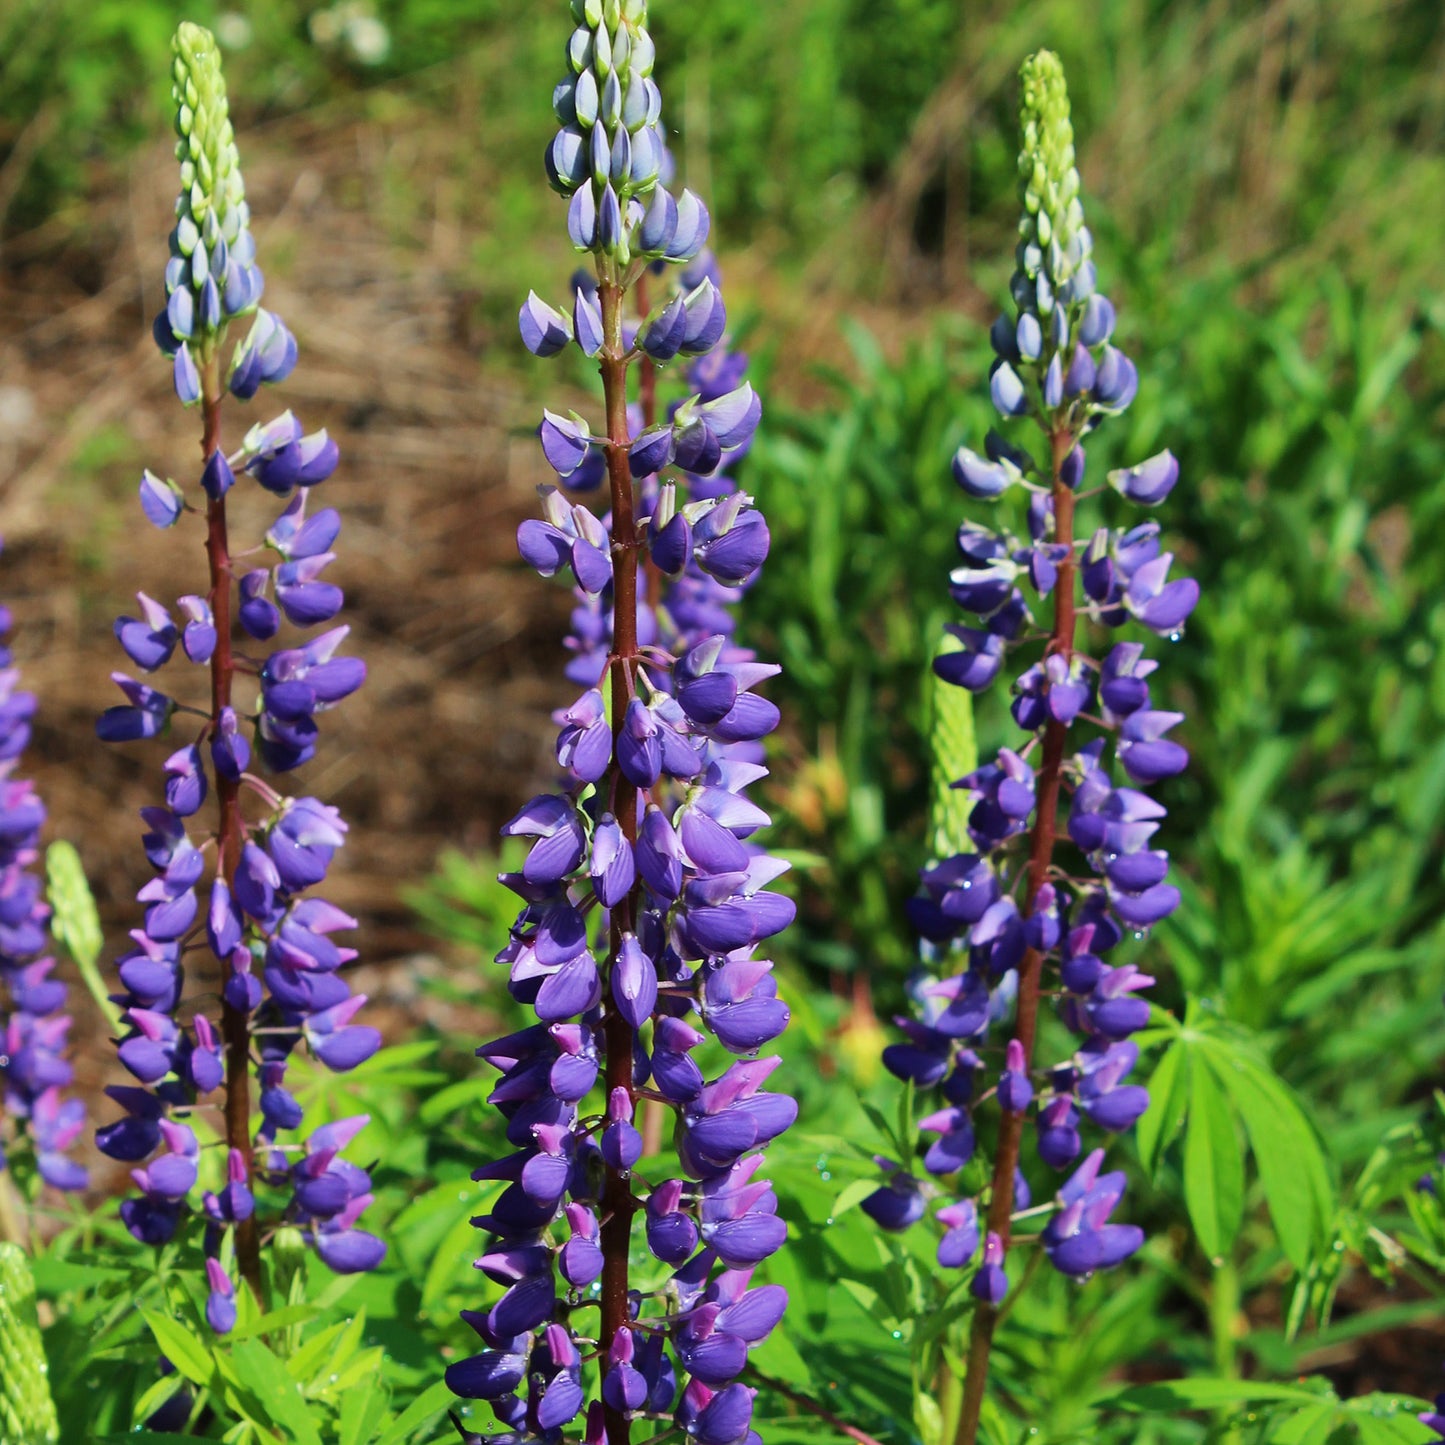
x=645 y=896
x=1061 y=864
x=233 y=910
x=34 y=1068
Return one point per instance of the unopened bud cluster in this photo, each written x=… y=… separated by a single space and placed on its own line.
x=212 y=278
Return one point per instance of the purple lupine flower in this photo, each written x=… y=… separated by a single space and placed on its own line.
x=646 y=897
x=1059 y=864
x=34 y=1067
x=246 y=903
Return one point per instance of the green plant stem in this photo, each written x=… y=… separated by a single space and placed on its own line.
x=1041 y=855
x=618 y=1203
x=1223 y=1313
x=230 y=832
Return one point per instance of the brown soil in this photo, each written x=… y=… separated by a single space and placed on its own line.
x=438 y=466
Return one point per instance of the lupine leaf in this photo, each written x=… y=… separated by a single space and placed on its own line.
x=1311 y=1426
x=361 y=1413
x=275 y=1321
x=1292 y=1166
x=1388 y=1419
x=1213 y=1166
x=265 y=1375
x=1168 y=1105
x=27 y=1412
x=181 y=1347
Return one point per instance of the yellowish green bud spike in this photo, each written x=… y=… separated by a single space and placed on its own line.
x=27 y=1411
x=1051 y=231
x=211 y=167
x=953 y=753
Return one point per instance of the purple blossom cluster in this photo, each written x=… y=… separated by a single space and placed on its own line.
x=34 y=1067
x=1006 y=922
x=645 y=895
x=235 y=903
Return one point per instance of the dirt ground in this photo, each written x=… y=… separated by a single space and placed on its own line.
x=437 y=468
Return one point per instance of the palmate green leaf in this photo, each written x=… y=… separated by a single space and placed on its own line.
x=1168 y=1105
x=452 y=1260
x=1293 y=1170
x=276 y=1320
x=362 y=1411
x=182 y=1347
x=1388 y=1419
x=1311 y=1426
x=265 y=1375
x=1213 y=1166
x=953 y=753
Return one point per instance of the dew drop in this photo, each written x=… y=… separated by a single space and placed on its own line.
x=830 y=1220
x=825 y=1175
x=897 y=1334
x=1176 y=634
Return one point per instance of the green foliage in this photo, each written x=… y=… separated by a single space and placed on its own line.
x=953 y=751
x=336 y=1360
x=862 y=512
x=1212 y=1085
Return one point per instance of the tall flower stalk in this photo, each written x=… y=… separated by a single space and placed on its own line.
x=645 y=898
x=1060 y=865
x=263 y=950
x=34 y=1066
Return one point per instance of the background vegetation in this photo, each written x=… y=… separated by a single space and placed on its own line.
x=1263 y=180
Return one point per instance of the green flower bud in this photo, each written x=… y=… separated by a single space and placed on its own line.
x=1051 y=233
x=211 y=184
x=579 y=50
x=27 y=1412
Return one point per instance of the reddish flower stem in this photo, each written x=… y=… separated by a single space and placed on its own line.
x=1041 y=854
x=230 y=835
x=618 y=1203
x=654 y=1113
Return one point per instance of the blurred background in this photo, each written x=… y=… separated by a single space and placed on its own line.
x=1265 y=180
